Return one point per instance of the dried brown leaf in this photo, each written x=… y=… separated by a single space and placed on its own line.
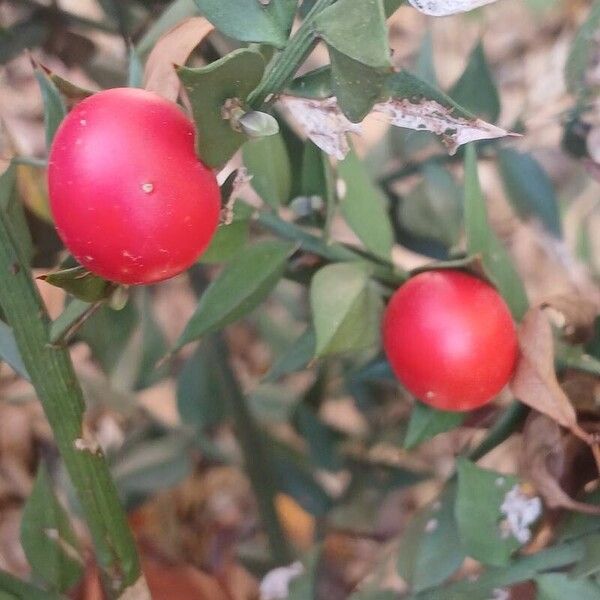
x=577 y=315
x=173 y=47
x=534 y=381
x=543 y=462
x=441 y=8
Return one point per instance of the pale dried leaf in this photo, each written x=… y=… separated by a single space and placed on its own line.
x=441 y=8
x=534 y=381
x=543 y=463
x=429 y=115
x=323 y=122
x=173 y=47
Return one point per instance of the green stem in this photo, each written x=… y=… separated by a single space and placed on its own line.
x=32 y=161
x=54 y=379
x=331 y=251
x=287 y=62
x=257 y=459
x=508 y=422
x=71 y=319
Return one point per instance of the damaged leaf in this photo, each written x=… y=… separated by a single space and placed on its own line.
x=442 y=8
x=411 y=103
x=322 y=122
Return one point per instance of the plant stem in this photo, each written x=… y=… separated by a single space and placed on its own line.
x=504 y=426
x=31 y=161
x=257 y=459
x=287 y=62
x=54 y=379
x=331 y=251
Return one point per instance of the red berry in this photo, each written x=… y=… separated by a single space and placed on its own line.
x=130 y=199
x=450 y=339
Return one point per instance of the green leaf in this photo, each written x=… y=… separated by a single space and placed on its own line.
x=13 y=588
x=232 y=77
x=74 y=314
x=483 y=241
x=322 y=440
x=357 y=29
x=12 y=209
x=577 y=524
x=425 y=66
x=478 y=500
x=431 y=549
x=283 y=11
x=433 y=209
x=268 y=163
x=520 y=570
x=27 y=34
x=582 y=52
x=248 y=20
x=229 y=239
x=82 y=284
x=256 y=124
x=9 y=352
x=201 y=396
x=156 y=464
x=304 y=587
x=295 y=358
x=529 y=188
x=357 y=86
x=47 y=537
x=364 y=207
x=314 y=84
x=54 y=107
x=590 y=563
x=273 y=403
x=476 y=89
x=558 y=586
x=391 y=6
x=239 y=288
x=346 y=309
x=107 y=332
x=426 y=422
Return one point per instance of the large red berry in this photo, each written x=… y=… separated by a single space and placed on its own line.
x=450 y=339
x=130 y=199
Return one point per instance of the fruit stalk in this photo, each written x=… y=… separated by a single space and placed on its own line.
x=52 y=374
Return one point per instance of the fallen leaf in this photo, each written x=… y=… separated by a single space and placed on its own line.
x=173 y=47
x=441 y=8
x=543 y=462
x=534 y=381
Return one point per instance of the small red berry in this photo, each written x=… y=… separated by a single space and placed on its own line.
x=130 y=199
x=450 y=339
